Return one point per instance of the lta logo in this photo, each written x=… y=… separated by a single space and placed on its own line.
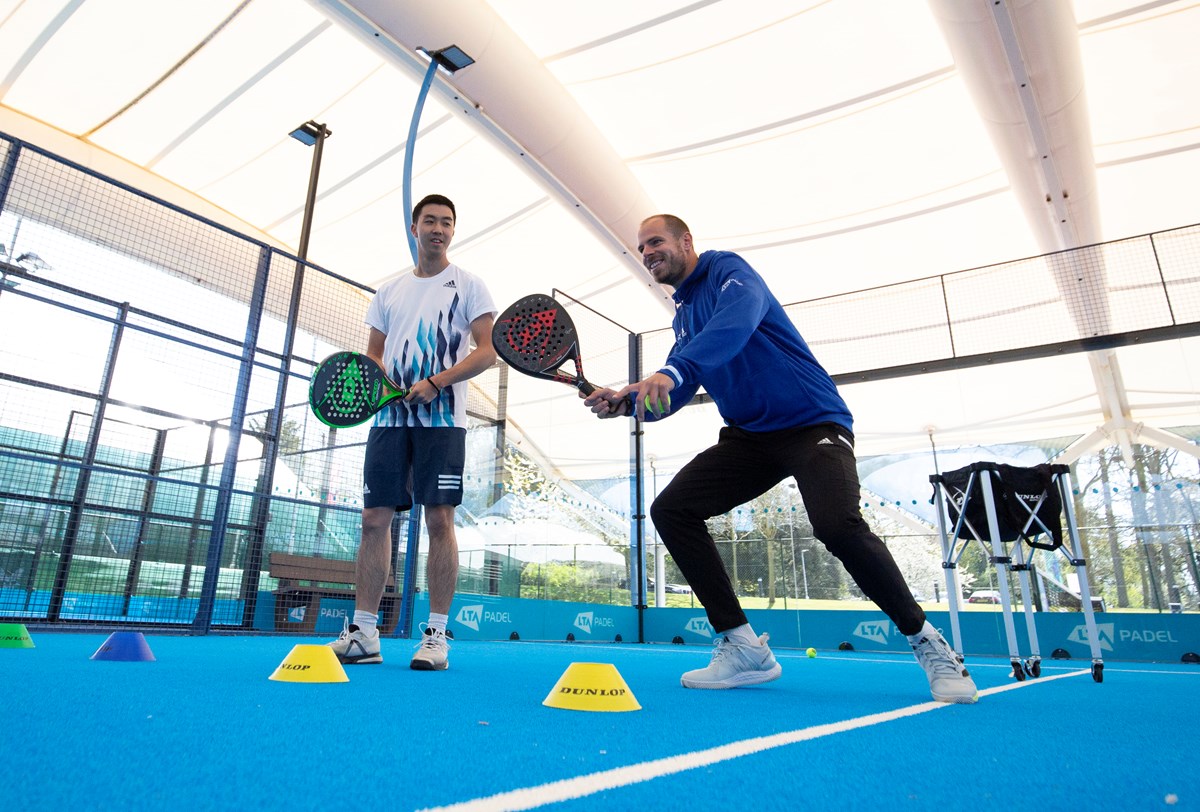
x=1104 y=635
x=583 y=622
x=877 y=631
x=469 y=616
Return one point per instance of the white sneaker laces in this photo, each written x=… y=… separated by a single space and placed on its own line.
x=434 y=640
x=937 y=656
x=722 y=649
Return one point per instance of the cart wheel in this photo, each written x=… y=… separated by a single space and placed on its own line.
x=1018 y=671
x=1098 y=672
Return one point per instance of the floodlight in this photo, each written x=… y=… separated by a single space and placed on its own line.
x=32 y=262
x=451 y=58
x=310 y=132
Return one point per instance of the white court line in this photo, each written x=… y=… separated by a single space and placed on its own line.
x=570 y=788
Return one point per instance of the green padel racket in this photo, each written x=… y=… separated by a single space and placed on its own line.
x=348 y=388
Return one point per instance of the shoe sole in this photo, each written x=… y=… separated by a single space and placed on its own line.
x=956 y=699
x=424 y=665
x=740 y=681
x=364 y=659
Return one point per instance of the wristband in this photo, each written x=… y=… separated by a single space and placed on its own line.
x=429 y=380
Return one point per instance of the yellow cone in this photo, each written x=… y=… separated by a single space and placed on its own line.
x=15 y=635
x=592 y=687
x=310 y=663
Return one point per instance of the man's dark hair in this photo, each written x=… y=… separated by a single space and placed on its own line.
x=433 y=200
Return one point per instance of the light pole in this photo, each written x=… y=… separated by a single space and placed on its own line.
x=311 y=134
x=804 y=571
x=450 y=59
x=792 y=486
x=660 y=577
x=792 y=533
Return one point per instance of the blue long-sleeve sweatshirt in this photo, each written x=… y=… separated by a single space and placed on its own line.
x=733 y=337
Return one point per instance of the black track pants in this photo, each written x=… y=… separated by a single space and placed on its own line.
x=744 y=465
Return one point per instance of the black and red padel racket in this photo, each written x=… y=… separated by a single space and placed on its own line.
x=535 y=335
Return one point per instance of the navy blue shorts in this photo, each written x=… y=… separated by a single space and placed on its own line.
x=406 y=464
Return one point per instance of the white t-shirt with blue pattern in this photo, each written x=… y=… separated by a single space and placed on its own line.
x=427 y=321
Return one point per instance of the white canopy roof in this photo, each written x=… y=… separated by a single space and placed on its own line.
x=837 y=144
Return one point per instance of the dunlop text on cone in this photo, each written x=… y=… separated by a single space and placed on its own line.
x=15 y=635
x=592 y=687
x=310 y=663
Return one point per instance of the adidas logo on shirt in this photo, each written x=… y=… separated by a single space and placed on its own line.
x=824 y=441
x=450 y=284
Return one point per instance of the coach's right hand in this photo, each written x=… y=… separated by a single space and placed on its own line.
x=605 y=404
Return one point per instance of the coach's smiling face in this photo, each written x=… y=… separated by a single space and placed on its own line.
x=434 y=229
x=665 y=255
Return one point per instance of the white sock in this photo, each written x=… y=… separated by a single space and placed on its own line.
x=743 y=634
x=366 y=621
x=927 y=629
x=438 y=622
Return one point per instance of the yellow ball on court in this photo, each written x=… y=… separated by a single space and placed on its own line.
x=812 y=652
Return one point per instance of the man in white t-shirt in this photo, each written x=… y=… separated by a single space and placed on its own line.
x=431 y=331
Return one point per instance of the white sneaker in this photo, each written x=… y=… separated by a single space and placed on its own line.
x=433 y=652
x=356 y=647
x=735 y=665
x=949 y=681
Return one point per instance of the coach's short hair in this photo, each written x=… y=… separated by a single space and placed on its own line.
x=674 y=224
x=434 y=200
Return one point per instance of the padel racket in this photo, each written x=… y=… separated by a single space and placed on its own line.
x=535 y=335
x=348 y=388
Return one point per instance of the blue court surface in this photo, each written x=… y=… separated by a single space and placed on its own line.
x=202 y=727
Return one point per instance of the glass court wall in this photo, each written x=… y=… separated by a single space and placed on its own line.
x=157 y=451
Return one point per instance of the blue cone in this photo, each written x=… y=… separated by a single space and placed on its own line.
x=125 y=647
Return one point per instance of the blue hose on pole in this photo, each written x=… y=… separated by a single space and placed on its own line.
x=408 y=157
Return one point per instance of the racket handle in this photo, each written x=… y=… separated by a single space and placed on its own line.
x=585 y=387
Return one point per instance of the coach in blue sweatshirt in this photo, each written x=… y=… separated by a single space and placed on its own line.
x=784 y=417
